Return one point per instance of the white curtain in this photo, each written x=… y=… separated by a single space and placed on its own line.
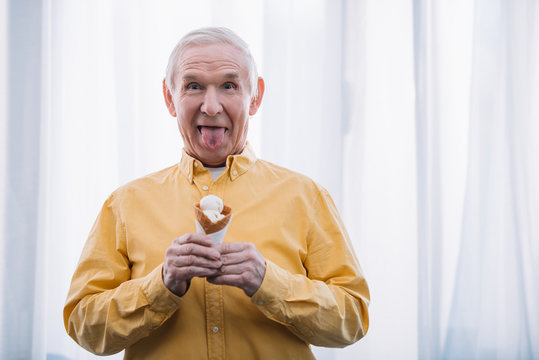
x=443 y=42
x=495 y=301
x=420 y=117
x=379 y=172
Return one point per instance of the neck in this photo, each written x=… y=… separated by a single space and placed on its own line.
x=214 y=166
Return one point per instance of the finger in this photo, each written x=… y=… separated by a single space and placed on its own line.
x=193 y=260
x=234 y=258
x=244 y=281
x=196 y=249
x=196 y=238
x=235 y=269
x=249 y=253
x=233 y=247
x=188 y=272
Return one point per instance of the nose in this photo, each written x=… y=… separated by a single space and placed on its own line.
x=211 y=104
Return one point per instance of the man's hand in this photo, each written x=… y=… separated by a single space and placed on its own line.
x=243 y=267
x=189 y=255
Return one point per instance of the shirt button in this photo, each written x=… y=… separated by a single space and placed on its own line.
x=215 y=329
x=234 y=172
x=205 y=187
x=195 y=164
x=173 y=304
x=260 y=302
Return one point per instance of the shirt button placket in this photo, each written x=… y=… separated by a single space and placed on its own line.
x=214 y=321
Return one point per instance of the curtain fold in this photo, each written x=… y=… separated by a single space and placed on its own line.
x=302 y=58
x=494 y=313
x=21 y=177
x=3 y=146
x=379 y=176
x=442 y=68
x=429 y=234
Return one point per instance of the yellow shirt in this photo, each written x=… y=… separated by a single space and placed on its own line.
x=313 y=290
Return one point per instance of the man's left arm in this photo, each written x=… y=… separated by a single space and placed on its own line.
x=328 y=307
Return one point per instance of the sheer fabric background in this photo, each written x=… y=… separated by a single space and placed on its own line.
x=420 y=118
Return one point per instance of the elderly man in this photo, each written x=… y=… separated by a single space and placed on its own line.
x=286 y=275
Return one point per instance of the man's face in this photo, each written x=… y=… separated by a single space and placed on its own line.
x=212 y=102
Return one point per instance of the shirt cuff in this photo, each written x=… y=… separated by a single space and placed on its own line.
x=275 y=286
x=159 y=297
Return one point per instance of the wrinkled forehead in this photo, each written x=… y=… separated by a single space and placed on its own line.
x=212 y=57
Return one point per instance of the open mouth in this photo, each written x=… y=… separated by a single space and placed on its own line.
x=212 y=136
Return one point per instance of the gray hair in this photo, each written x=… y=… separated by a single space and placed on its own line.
x=209 y=36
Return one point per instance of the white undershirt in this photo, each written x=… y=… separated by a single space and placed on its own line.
x=215 y=172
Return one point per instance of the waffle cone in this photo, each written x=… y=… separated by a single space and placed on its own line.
x=209 y=226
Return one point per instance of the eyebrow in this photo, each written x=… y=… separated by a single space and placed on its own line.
x=227 y=76
x=188 y=77
x=232 y=76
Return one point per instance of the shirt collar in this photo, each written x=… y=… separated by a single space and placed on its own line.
x=236 y=165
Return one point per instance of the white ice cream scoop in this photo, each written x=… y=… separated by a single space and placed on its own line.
x=212 y=206
x=211 y=202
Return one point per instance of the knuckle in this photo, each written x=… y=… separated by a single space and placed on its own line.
x=188 y=272
x=168 y=278
x=246 y=277
x=167 y=263
x=190 y=259
x=180 y=240
x=188 y=248
x=184 y=238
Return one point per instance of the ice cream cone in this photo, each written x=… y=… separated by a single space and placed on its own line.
x=215 y=230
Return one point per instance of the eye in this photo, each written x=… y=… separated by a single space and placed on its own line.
x=193 y=86
x=229 y=86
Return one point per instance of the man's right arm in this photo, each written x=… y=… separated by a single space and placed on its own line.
x=107 y=311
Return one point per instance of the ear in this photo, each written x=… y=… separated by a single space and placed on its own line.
x=168 y=99
x=257 y=99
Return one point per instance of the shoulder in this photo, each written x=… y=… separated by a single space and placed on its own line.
x=149 y=184
x=270 y=169
x=284 y=177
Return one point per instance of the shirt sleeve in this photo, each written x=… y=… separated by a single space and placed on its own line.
x=328 y=307
x=106 y=311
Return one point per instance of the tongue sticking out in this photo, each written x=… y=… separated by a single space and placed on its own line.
x=212 y=136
